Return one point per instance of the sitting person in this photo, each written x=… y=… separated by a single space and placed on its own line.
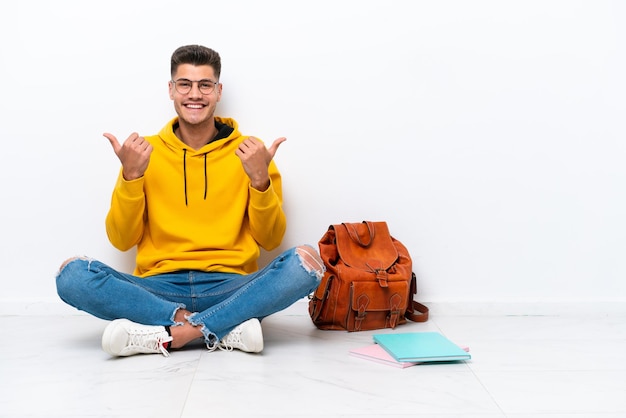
x=198 y=200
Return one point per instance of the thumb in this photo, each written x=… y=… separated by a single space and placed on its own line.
x=274 y=147
x=114 y=142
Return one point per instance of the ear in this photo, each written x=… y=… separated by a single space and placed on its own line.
x=218 y=91
x=170 y=86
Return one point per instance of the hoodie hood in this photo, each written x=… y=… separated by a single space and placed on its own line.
x=227 y=130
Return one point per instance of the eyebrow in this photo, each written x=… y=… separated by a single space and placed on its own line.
x=197 y=81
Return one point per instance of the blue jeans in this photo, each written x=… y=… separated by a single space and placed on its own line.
x=218 y=301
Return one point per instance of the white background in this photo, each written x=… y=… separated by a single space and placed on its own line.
x=488 y=134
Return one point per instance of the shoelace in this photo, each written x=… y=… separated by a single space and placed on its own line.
x=228 y=342
x=150 y=340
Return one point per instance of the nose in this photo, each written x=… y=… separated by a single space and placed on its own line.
x=195 y=90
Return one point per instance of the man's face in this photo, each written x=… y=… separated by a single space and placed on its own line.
x=195 y=106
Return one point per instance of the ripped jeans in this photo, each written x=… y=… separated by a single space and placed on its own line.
x=218 y=301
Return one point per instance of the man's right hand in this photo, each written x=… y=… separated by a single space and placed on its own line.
x=134 y=154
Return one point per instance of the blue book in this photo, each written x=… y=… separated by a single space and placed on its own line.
x=421 y=347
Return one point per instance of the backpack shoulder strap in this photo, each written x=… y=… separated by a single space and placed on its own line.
x=417 y=312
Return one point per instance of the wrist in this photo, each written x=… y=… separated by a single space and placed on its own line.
x=261 y=186
x=130 y=176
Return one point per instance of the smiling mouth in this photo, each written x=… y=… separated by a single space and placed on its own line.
x=194 y=106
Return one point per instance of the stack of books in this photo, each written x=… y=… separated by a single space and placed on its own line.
x=411 y=348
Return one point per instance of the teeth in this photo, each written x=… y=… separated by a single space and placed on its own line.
x=195 y=106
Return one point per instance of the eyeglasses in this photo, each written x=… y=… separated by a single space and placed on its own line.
x=183 y=86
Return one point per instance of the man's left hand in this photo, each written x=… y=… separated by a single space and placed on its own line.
x=256 y=159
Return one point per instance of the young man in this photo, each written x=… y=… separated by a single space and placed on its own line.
x=198 y=200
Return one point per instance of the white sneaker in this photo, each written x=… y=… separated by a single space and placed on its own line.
x=125 y=338
x=248 y=337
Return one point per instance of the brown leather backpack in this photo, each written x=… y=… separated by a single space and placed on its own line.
x=369 y=282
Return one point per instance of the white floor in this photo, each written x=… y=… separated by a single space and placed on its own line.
x=522 y=366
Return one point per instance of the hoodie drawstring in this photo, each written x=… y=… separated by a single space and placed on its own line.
x=205 y=177
x=185 y=174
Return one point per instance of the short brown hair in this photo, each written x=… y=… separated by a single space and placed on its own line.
x=196 y=55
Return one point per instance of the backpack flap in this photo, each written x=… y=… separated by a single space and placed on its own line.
x=374 y=307
x=366 y=246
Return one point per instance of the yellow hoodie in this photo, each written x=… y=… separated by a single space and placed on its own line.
x=195 y=209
